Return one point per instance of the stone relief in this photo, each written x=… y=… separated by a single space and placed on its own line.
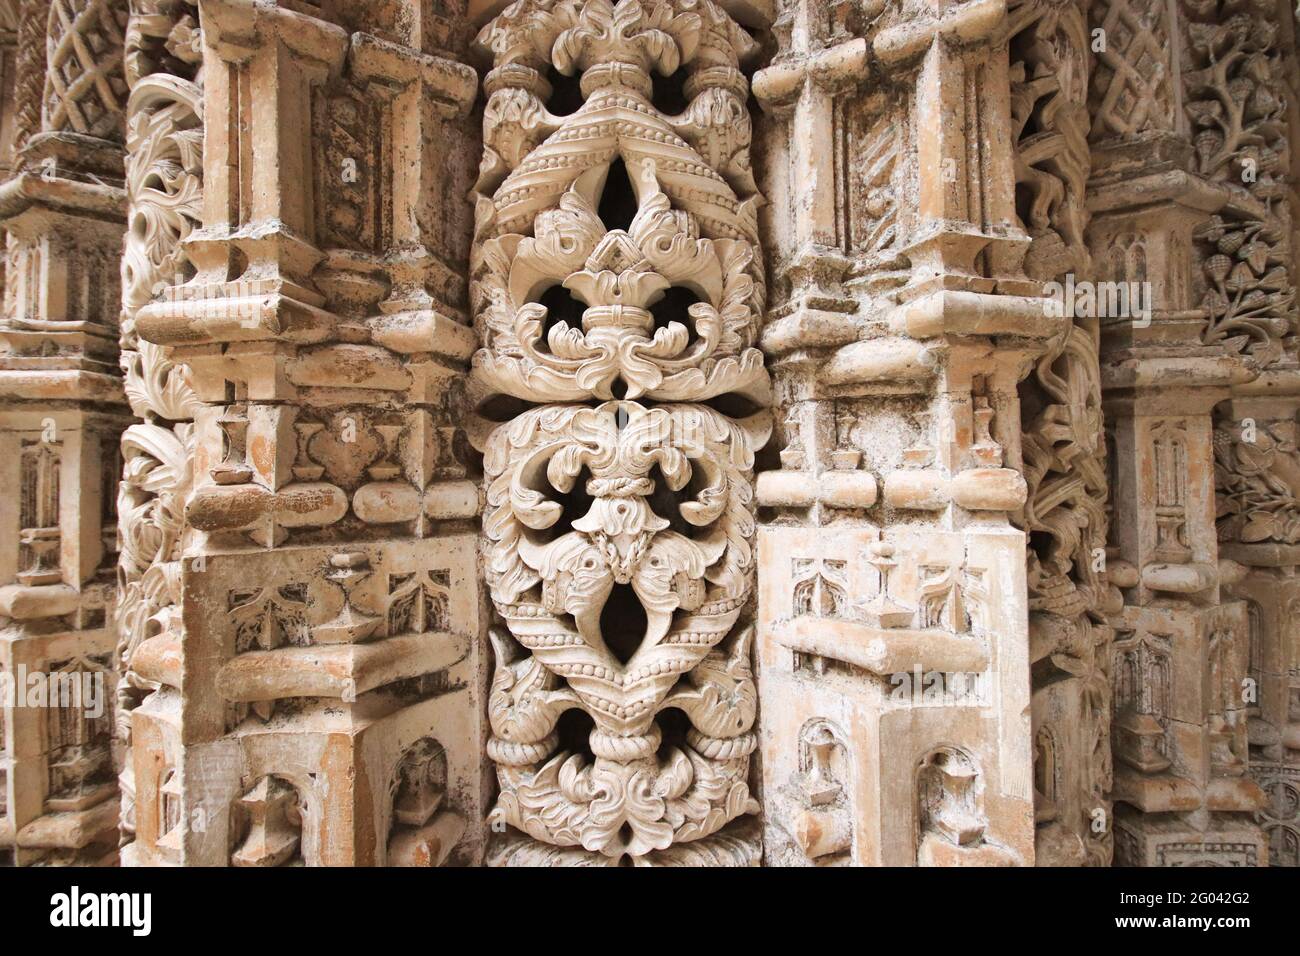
x=647 y=432
x=620 y=535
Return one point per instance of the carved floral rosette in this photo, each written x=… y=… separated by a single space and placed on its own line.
x=619 y=530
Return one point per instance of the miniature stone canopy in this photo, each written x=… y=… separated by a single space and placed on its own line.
x=649 y=432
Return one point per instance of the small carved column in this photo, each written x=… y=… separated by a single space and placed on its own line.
x=1179 y=727
x=325 y=627
x=62 y=411
x=892 y=590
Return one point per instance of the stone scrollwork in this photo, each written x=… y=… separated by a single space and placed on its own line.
x=618 y=274
x=620 y=530
x=164 y=177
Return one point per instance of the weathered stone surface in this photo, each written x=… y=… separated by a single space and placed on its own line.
x=484 y=433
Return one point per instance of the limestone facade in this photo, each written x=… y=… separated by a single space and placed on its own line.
x=649 y=432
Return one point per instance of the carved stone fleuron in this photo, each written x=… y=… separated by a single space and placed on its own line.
x=475 y=432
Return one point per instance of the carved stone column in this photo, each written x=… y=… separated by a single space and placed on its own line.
x=164 y=181
x=1179 y=730
x=618 y=291
x=62 y=411
x=318 y=672
x=1248 y=143
x=894 y=645
x=1063 y=447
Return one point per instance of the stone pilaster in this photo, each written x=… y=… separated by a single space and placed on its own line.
x=1179 y=728
x=62 y=410
x=893 y=620
x=319 y=680
x=1257 y=464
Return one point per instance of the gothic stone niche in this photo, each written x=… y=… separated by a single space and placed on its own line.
x=38 y=521
x=895 y=646
x=424 y=829
x=56 y=526
x=617 y=286
x=823 y=826
x=269 y=822
x=1179 y=736
x=950 y=797
x=1072 y=769
x=1273 y=616
x=273 y=638
x=80 y=768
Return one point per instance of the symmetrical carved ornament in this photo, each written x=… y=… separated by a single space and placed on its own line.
x=85 y=87
x=619 y=529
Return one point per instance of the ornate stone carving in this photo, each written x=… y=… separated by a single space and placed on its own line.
x=320 y=458
x=1237 y=103
x=62 y=413
x=897 y=469
x=1257 y=483
x=1134 y=89
x=164 y=180
x=1062 y=446
x=620 y=534
x=29 y=82
x=85 y=88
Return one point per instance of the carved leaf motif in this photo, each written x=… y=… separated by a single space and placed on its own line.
x=164 y=134
x=584 y=500
x=626 y=33
x=1258 y=484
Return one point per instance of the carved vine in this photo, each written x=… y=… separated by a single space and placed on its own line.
x=1257 y=482
x=1235 y=103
